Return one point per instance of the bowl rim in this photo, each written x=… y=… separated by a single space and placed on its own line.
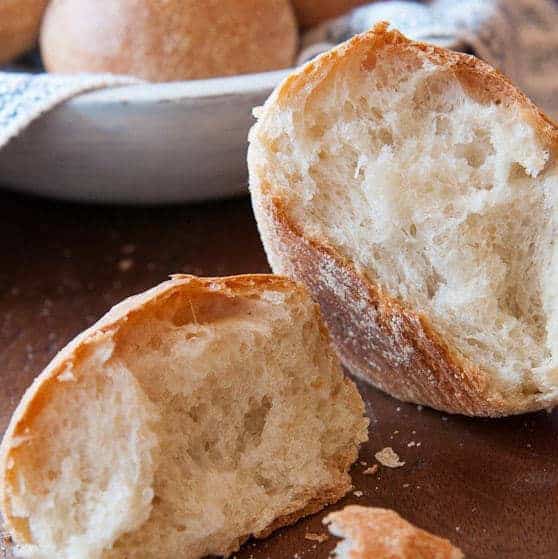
x=168 y=91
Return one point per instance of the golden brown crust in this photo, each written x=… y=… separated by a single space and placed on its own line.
x=480 y=80
x=19 y=26
x=106 y=331
x=310 y=12
x=377 y=533
x=377 y=336
x=168 y=41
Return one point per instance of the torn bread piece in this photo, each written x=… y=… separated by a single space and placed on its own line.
x=415 y=191
x=374 y=533
x=187 y=419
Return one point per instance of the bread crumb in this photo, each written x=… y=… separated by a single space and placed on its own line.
x=389 y=458
x=320 y=538
x=371 y=471
x=125 y=264
x=420 y=407
x=363 y=463
x=412 y=443
x=358 y=493
x=405 y=485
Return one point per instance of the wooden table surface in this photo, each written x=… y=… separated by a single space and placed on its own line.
x=490 y=486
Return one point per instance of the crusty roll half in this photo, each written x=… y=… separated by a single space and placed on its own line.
x=189 y=418
x=372 y=533
x=413 y=189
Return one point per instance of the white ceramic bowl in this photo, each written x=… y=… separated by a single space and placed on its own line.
x=146 y=144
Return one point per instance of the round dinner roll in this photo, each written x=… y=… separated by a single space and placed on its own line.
x=19 y=26
x=171 y=40
x=310 y=12
x=415 y=191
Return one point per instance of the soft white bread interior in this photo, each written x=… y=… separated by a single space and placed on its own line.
x=189 y=418
x=373 y=533
x=415 y=191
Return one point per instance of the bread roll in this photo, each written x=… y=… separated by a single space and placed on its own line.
x=372 y=533
x=171 y=40
x=413 y=189
x=19 y=26
x=189 y=418
x=312 y=12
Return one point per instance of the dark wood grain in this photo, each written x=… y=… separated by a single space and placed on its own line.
x=490 y=486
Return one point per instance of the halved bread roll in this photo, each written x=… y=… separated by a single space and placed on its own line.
x=413 y=189
x=189 y=418
x=372 y=533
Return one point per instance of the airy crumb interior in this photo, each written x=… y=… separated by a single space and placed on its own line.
x=243 y=417
x=446 y=202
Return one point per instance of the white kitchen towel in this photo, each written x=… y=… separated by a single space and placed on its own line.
x=519 y=37
x=25 y=97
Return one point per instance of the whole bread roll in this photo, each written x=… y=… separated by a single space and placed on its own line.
x=414 y=190
x=373 y=533
x=171 y=40
x=311 y=12
x=187 y=419
x=19 y=26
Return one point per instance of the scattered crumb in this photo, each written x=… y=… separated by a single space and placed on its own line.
x=320 y=538
x=413 y=432
x=398 y=408
x=420 y=408
x=389 y=458
x=405 y=485
x=457 y=528
x=444 y=418
x=396 y=432
x=412 y=443
x=358 y=493
x=363 y=463
x=371 y=471
x=419 y=443
x=125 y=264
